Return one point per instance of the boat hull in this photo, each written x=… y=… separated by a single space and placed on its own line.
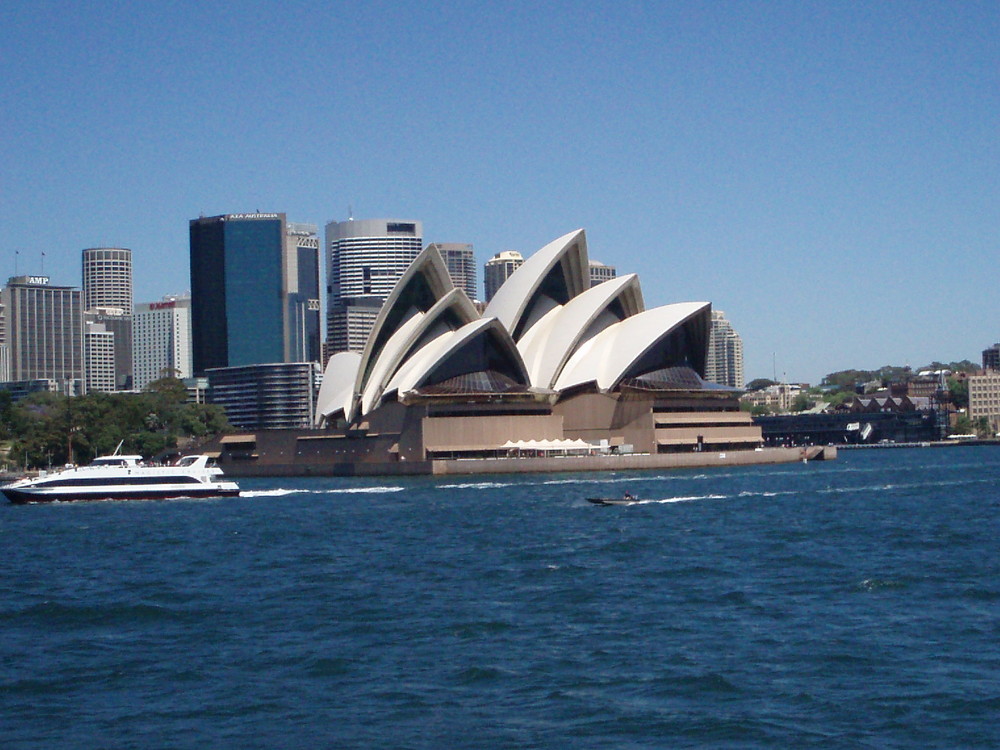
x=612 y=501
x=29 y=496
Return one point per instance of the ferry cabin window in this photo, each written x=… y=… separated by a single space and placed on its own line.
x=108 y=462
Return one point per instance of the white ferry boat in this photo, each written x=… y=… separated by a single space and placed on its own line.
x=124 y=478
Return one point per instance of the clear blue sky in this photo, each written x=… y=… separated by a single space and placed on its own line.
x=828 y=174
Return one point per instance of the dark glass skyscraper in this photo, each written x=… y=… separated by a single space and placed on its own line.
x=249 y=304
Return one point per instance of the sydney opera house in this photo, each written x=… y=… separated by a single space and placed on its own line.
x=553 y=374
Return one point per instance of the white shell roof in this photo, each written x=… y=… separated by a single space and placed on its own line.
x=422 y=364
x=566 y=342
x=608 y=356
x=514 y=297
x=431 y=266
x=336 y=392
x=552 y=340
x=402 y=342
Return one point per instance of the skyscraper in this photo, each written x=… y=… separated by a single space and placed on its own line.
x=99 y=356
x=44 y=327
x=162 y=340
x=107 y=278
x=498 y=269
x=4 y=344
x=302 y=312
x=461 y=263
x=365 y=260
x=599 y=273
x=724 y=364
x=251 y=293
x=107 y=298
x=991 y=358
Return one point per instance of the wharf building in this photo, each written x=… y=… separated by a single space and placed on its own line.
x=904 y=425
x=107 y=303
x=553 y=366
x=254 y=291
x=162 y=340
x=44 y=333
x=461 y=264
x=365 y=259
x=725 y=353
x=498 y=269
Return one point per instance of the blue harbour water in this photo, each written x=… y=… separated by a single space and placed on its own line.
x=845 y=604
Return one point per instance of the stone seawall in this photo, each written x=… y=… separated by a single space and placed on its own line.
x=632 y=461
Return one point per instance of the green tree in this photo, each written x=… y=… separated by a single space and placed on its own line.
x=963 y=425
x=760 y=384
x=893 y=374
x=6 y=415
x=802 y=402
x=848 y=379
x=838 y=398
x=959 y=392
x=47 y=427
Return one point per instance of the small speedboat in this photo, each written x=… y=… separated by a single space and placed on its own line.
x=124 y=478
x=613 y=500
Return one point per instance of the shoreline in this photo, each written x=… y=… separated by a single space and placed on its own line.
x=924 y=444
x=549 y=464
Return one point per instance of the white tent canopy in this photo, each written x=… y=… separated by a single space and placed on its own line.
x=547 y=446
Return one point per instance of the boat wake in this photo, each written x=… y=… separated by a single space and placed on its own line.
x=889 y=487
x=476 y=486
x=281 y=492
x=685 y=499
x=267 y=493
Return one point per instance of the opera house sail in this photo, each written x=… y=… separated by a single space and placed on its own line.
x=551 y=362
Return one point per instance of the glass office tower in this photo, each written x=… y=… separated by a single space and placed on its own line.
x=248 y=302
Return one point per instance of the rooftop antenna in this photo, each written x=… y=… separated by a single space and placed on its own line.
x=43 y=263
x=17 y=255
x=350 y=212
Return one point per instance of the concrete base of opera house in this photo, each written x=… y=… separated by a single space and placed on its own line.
x=633 y=461
x=521 y=465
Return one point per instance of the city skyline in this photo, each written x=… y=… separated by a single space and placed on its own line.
x=825 y=174
x=781 y=377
